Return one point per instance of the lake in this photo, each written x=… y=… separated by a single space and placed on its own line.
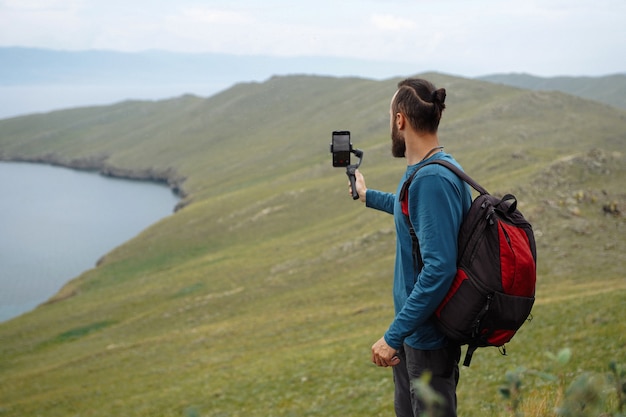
x=55 y=223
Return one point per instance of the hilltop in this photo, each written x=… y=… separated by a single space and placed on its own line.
x=263 y=292
x=610 y=89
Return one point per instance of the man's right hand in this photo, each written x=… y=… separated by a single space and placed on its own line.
x=360 y=185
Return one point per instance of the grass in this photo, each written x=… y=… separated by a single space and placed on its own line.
x=263 y=295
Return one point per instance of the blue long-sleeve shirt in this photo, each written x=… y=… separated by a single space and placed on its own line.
x=438 y=201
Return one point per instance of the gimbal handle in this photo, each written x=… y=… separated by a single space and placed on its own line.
x=350 y=172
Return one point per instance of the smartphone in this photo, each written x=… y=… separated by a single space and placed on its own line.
x=341 y=147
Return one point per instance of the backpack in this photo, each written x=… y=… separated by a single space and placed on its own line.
x=494 y=288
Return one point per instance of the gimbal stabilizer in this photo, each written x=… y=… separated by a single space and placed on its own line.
x=341 y=148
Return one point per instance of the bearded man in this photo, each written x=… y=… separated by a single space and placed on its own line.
x=437 y=203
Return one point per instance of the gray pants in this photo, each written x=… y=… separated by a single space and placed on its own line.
x=444 y=366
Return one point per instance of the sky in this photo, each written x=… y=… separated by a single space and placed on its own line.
x=460 y=37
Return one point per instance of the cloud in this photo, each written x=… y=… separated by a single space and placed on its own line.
x=41 y=5
x=54 y=24
x=391 y=23
x=213 y=16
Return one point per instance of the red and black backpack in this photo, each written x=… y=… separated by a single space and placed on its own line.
x=494 y=288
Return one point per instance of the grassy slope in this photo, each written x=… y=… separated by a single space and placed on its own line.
x=263 y=295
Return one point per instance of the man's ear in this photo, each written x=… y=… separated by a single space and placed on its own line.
x=400 y=121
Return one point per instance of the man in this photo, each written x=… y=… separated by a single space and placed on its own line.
x=437 y=203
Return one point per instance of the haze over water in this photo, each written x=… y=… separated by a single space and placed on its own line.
x=55 y=223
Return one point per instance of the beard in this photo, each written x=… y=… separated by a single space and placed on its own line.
x=398 y=145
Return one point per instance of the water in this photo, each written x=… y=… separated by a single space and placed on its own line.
x=56 y=223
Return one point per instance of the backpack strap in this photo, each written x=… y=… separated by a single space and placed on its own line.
x=468 y=354
x=404 y=203
x=459 y=173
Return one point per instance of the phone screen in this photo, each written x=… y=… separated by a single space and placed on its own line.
x=341 y=149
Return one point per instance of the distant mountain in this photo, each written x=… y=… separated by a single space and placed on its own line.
x=610 y=89
x=39 y=80
x=27 y=66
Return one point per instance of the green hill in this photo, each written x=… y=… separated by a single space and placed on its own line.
x=263 y=293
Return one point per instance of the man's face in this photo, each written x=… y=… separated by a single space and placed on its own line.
x=398 y=146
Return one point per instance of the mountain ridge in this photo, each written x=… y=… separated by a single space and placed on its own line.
x=610 y=89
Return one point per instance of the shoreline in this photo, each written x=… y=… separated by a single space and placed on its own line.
x=97 y=164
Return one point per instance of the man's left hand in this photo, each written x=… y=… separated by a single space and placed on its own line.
x=383 y=354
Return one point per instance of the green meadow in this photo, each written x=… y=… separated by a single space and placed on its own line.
x=263 y=293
